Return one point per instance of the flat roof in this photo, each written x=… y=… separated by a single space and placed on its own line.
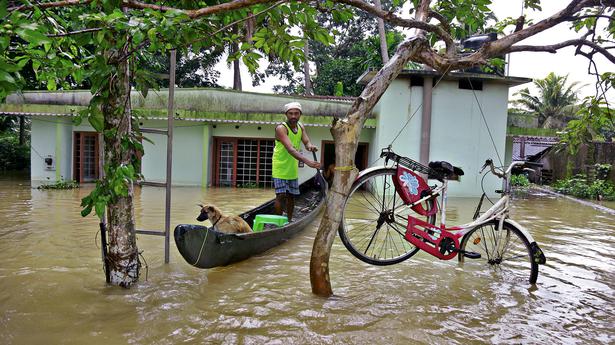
x=368 y=75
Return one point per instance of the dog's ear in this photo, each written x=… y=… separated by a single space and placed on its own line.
x=200 y=205
x=210 y=209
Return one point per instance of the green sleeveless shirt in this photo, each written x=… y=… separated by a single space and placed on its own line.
x=285 y=166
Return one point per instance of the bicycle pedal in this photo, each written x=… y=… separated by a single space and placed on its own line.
x=471 y=255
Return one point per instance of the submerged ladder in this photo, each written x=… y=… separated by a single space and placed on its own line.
x=167 y=184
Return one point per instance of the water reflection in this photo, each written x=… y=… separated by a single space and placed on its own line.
x=52 y=286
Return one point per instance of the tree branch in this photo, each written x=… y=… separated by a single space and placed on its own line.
x=50 y=5
x=589 y=16
x=77 y=32
x=554 y=47
x=391 y=18
x=504 y=44
x=224 y=7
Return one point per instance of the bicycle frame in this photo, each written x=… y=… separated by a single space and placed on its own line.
x=442 y=241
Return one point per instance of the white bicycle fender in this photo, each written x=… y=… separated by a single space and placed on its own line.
x=368 y=170
x=522 y=229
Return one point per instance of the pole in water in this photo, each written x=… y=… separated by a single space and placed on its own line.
x=103 y=245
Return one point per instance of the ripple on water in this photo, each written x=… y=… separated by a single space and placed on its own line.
x=51 y=266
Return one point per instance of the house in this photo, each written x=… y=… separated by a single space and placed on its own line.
x=221 y=137
x=459 y=118
x=226 y=138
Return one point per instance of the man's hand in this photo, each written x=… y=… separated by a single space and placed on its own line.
x=311 y=148
x=313 y=164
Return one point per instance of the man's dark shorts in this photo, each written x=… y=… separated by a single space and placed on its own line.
x=286 y=186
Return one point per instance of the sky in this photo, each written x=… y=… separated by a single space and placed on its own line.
x=534 y=65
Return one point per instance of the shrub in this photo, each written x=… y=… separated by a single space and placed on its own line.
x=519 y=181
x=70 y=184
x=579 y=186
x=602 y=171
x=12 y=155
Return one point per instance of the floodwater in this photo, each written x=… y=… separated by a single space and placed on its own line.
x=52 y=288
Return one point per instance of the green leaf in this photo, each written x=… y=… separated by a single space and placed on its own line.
x=86 y=210
x=5 y=76
x=32 y=36
x=51 y=84
x=35 y=65
x=4 y=42
x=3 y=8
x=100 y=208
x=97 y=120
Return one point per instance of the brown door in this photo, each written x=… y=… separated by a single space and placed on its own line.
x=85 y=157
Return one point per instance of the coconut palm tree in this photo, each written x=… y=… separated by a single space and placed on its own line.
x=555 y=99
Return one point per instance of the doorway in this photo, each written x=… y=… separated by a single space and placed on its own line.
x=85 y=157
x=328 y=157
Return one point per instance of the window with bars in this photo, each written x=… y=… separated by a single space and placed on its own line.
x=225 y=166
x=243 y=162
x=265 y=163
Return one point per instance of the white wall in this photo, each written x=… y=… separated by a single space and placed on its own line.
x=399 y=104
x=46 y=132
x=458 y=132
x=187 y=153
x=460 y=135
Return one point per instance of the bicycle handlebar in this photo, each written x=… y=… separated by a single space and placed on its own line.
x=499 y=172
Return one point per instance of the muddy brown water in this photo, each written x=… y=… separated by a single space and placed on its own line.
x=52 y=288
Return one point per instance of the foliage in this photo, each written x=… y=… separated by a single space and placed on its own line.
x=12 y=155
x=555 y=99
x=596 y=122
x=192 y=69
x=603 y=170
x=62 y=184
x=580 y=187
x=72 y=45
x=355 y=49
x=546 y=132
x=345 y=68
x=519 y=180
x=466 y=18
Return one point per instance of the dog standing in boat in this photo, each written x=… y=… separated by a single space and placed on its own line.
x=222 y=223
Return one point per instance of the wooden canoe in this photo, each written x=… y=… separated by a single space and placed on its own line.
x=205 y=247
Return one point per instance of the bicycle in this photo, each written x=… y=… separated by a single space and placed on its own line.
x=381 y=225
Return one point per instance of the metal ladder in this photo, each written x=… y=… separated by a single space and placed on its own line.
x=167 y=184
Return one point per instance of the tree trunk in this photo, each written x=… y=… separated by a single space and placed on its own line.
x=384 y=48
x=123 y=253
x=236 y=73
x=22 y=126
x=306 y=68
x=346 y=136
x=236 y=70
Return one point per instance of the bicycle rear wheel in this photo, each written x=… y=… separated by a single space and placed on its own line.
x=374 y=220
x=504 y=253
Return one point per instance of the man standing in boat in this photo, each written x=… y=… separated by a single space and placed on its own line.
x=286 y=157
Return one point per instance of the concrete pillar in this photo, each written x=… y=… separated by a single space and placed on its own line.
x=426 y=120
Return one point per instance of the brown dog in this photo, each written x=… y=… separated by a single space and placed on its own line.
x=222 y=223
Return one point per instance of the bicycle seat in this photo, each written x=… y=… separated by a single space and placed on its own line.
x=446 y=169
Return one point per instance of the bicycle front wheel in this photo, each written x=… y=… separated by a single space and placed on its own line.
x=374 y=220
x=505 y=253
